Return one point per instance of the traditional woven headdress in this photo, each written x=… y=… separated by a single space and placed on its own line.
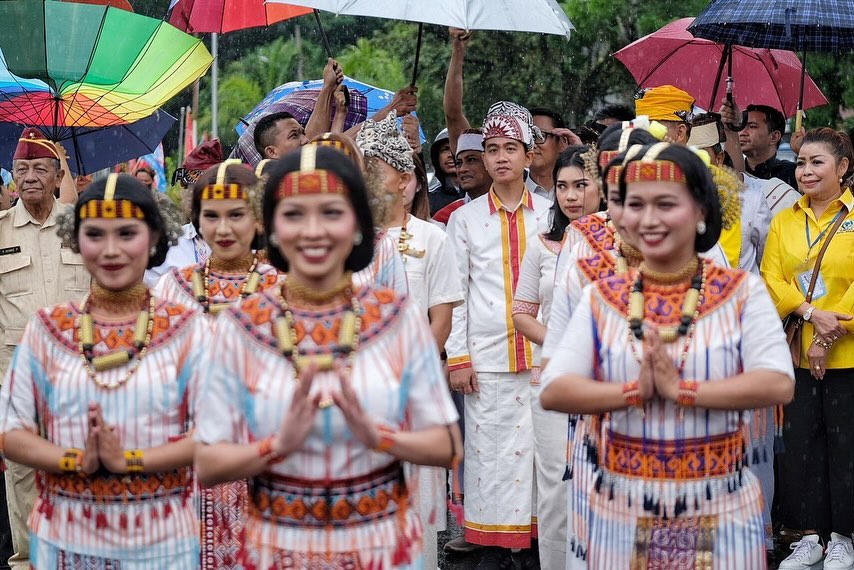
x=383 y=140
x=109 y=208
x=650 y=169
x=513 y=121
x=219 y=190
x=309 y=179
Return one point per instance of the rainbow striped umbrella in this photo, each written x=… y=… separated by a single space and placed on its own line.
x=65 y=64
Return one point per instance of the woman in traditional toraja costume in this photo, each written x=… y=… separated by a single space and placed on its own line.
x=318 y=391
x=100 y=399
x=222 y=213
x=667 y=359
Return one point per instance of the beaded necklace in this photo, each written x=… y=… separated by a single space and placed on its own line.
x=690 y=306
x=348 y=338
x=94 y=364
x=201 y=286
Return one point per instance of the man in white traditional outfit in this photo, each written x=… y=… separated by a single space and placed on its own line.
x=488 y=359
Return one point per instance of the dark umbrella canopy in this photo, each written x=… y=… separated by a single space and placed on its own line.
x=796 y=25
x=91 y=149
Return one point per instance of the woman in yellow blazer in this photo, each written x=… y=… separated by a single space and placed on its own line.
x=816 y=476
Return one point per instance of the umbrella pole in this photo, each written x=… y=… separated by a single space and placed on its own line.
x=800 y=114
x=323 y=34
x=718 y=77
x=417 y=52
x=215 y=86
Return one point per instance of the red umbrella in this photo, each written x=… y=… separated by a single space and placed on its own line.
x=223 y=16
x=672 y=56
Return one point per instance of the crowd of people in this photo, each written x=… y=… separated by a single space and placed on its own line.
x=621 y=345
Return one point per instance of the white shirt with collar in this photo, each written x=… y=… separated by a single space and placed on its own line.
x=189 y=250
x=489 y=240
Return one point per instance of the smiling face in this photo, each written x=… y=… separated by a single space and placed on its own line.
x=228 y=227
x=505 y=159
x=116 y=251
x=36 y=180
x=315 y=235
x=660 y=219
x=576 y=193
x=818 y=172
x=446 y=159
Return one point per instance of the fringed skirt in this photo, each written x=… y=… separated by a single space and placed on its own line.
x=674 y=505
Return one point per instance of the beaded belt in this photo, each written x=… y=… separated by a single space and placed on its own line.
x=116 y=488
x=289 y=501
x=673 y=459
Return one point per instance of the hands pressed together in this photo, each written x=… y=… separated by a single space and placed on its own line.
x=103 y=447
x=657 y=375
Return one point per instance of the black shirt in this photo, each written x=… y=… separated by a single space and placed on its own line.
x=775 y=168
x=441 y=196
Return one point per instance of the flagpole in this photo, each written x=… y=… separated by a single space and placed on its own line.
x=214 y=85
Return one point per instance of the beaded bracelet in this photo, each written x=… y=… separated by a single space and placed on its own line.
x=133 y=458
x=687 y=393
x=71 y=461
x=632 y=394
x=386 y=441
x=266 y=451
x=821 y=342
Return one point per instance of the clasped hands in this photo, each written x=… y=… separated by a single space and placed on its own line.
x=103 y=447
x=299 y=419
x=657 y=375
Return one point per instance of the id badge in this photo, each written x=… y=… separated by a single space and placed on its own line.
x=819 y=291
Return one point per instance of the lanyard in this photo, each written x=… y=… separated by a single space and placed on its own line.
x=811 y=244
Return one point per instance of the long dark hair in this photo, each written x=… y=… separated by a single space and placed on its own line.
x=572 y=156
x=420 y=207
x=337 y=163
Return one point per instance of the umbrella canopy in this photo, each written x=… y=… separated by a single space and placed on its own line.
x=542 y=16
x=673 y=56
x=298 y=98
x=92 y=149
x=64 y=64
x=223 y=16
x=798 y=25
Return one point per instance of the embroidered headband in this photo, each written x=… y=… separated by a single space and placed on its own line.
x=109 y=208
x=309 y=179
x=219 y=190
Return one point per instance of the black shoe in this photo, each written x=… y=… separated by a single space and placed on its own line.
x=460 y=546
x=495 y=558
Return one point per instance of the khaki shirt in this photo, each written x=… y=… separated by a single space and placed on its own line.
x=35 y=272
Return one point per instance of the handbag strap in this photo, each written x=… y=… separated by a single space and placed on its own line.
x=826 y=243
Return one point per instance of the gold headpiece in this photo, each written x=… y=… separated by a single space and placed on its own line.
x=109 y=208
x=729 y=194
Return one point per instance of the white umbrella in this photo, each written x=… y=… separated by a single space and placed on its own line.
x=539 y=16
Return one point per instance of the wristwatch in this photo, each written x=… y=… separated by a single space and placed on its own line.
x=808 y=313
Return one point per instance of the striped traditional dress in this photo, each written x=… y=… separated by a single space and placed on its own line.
x=107 y=521
x=669 y=487
x=221 y=506
x=333 y=503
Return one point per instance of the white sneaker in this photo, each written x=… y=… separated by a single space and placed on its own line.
x=840 y=553
x=806 y=554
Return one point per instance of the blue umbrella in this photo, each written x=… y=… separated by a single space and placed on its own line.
x=365 y=101
x=795 y=25
x=92 y=149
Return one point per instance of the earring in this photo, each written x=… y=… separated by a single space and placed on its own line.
x=273 y=240
x=357 y=238
x=701 y=227
x=153 y=250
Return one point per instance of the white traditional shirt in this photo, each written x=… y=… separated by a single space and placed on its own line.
x=433 y=278
x=490 y=240
x=755 y=220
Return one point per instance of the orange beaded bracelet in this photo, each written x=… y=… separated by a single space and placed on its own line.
x=687 y=393
x=632 y=394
